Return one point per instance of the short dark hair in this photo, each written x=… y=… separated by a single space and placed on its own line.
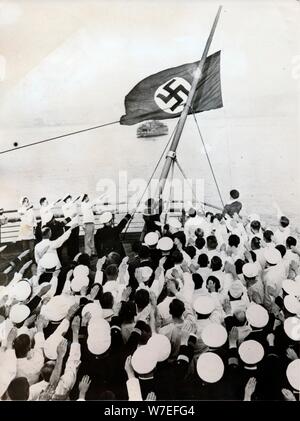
x=212 y=242
x=18 y=389
x=180 y=235
x=144 y=252
x=141 y=298
x=200 y=243
x=42 y=200
x=255 y=243
x=215 y=280
x=191 y=251
x=127 y=312
x=199 y=232
x=84 y=259
x=234 y=194
x=234 y=240
x=22 y=345
x=112 y=271
x=281 y=248
x=107 y=300
x=198 y=280
x=216 y=263
x=268 y=234
x=46 y=370
x=45 y=277
x=46 y=232
x=284 y=221
x=113 y=258
x=177 y=257
x=291 y=242
x=239 y=263
x=255 y=225
x=203 y=260
x=176 y=308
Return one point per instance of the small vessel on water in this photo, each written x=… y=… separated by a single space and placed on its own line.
x=152 y=128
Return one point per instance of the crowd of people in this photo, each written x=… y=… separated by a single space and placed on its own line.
x=204 y=307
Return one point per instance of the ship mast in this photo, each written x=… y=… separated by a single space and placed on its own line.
x=171 y=155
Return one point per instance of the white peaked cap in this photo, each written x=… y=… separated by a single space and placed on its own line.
x=21 y=291
x=293 y=374
x=165 y=244
x=93 y=308
x=174 y=223
x=236 y=289
x=250 y=270
x=57 y=308
x=210 y=367
x=291 y=287
x=251 y=352
x=99 y=337
x=214 y=335
x=105 y=217
x=50 y=346
x=146 y=272
x=257 y=315
x=160 y=345
x=18 y=313
x=292 y=304
x=81 y=270
x=151 y=238
x=272 y=256
x=49 y=261
x=292 y=328
x=47 y=217
x=79 y=282
x=204 y=304
x=144 y=360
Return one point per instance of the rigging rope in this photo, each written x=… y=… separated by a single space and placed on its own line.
x=208 y=159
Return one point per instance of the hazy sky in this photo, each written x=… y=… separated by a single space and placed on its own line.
x=70 y=61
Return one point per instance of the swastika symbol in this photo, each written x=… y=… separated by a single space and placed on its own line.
x=171 y=96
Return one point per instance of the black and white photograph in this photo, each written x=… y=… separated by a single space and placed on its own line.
x=149 y=203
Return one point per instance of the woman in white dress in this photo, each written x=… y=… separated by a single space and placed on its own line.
x=27 y=225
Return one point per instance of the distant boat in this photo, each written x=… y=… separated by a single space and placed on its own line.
x=152 y=128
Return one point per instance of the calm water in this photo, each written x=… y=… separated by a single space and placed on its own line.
x=259 y=157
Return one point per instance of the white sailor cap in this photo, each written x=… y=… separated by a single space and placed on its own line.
x=236 y=289
x=78 y=282
x=21 y=291
x=291 y=287
x=204 y=304
x=144 y=360
x=94 y=309
x=257 y=315
x=292 y=304
x=165 y=244
x=160 y=345
x=210 y=367
x=292 y=328
x=251 y=352
x=293 y=374
x=105 y=218
x=272 y=256
x=250 y=270
x=18 y=313
x=49 y=261
x=57 y=308
x=51 y=345
x=99 y=336
x=214 y=335
x=174 y=223
x=145 y=272
x=81 y=270
x=151 y=238
x=47 y=217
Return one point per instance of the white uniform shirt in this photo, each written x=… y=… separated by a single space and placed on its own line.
x=31 y=365
x=70 y=211
x=87 y=212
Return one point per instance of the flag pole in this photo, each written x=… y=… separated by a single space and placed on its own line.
x=171 y=155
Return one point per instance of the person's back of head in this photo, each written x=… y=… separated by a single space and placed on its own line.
x=191 y=251
x=255 y=226
x=127 y=312
x=198 y=280
x=200 y=243
x=291 y=242
x=42 y=200
x=180 y=235
x=46 y=233
x=177 y=257
x=113 y=258
x=22 y=345
x=212 y=242
x=281 y=248
x=45 y=277
x=203 y=260
x=192 y=213
x=112 y=272
x=47 y=370
x=144 y=252
x=234 y=240
x=141 y=298
x=255 y=243
x=107 y=300
x=84 y=259
x=199 y=233
x=284 y=222
x=176 y=308
x=239 y=263
x=18 y=389
x=234 y=194
x=268 y=234
x=216 y=263
x=213 y=280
